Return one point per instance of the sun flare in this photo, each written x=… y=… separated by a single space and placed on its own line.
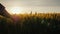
x=16 y=10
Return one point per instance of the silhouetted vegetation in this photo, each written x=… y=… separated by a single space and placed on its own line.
x=3 y=11
x=31 y=24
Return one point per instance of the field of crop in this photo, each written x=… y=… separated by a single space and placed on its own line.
x=30 y=24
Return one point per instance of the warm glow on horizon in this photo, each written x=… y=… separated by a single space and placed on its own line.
x=16 y=10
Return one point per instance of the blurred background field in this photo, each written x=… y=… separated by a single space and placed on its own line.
x=38 y=23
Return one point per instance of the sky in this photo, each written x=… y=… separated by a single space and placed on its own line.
x=40 y=6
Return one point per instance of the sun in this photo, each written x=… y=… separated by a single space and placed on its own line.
x=16 y=10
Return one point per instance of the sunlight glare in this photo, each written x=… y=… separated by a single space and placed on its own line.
x=16 y=10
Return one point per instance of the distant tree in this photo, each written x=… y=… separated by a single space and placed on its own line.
x=31 y=13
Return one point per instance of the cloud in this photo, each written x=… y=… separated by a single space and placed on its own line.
x=33 y=2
